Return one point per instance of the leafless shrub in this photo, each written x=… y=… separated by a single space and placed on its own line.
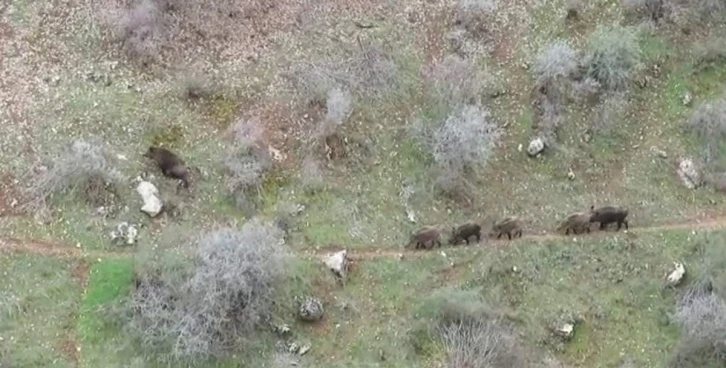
x=468 y=136
x=150 y=28
x=585 y=90
x=86 y=164
x=708 y=122
x=612 y=56
x=557 y=59
x=703 y=11
x=472 y=332
x=479 y=345
x=311 y=174
x=338 y=105
x=367 y=70
x=574 y=8
x=462 y=142
x=710 y=52
x=702 y=317
x=142 y=28
x=183 y=312
x=476 y=16
x=609 y=112
x=245 y=164
x=547 y=117
x=553 y=67
x=457 y=80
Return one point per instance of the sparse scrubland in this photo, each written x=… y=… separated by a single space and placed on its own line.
x=305 y=128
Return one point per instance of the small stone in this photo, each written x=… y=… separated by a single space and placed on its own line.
x=570 y=174
x=311 y=309
x=676 y=276
x=536 y=146
x=304 y=349
x=150 y=195
x=687 y=99
x=338 y=263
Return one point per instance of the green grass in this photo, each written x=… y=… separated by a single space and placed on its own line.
x=39 y=303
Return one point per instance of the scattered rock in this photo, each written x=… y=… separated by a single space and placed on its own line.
x=676 y=276
x=293 y=348
x=125 y=233
x=520 y=147
x=536 y=146
x=338 y=263
x=565 y=331
x=689 y=174
x=687 y=99
x=570 y=174
x=276 y=154
x=304 y=349
x=281 y=329
x=150 y=195
x=311 y=309
x=411 y=216
x=659 y=152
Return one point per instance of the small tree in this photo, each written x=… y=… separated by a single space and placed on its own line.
x=612 y=56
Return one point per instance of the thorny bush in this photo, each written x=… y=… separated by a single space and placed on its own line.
x=184 y=312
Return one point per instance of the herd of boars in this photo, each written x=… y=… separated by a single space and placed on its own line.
x=577 y=223
x=428 y=236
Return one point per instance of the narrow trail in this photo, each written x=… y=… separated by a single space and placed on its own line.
x=12 y=245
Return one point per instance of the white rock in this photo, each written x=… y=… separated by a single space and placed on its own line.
x=126 y=233
x=276 y=154
x=676 y=276
x=411 y=216
x=338 y=263
x=311 y=309
x=688 y=172
x=570 y=174
x=566 y=330
x=150 y=195
x=536 y=146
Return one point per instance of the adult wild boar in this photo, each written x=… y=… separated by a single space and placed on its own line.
x=510 y=226
x=464 y=232
x=608 y=214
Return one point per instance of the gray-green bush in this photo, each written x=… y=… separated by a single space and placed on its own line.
x=708 y=122
x=83 y=163
x=612 y=55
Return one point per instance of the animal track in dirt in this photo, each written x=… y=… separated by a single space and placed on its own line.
x=368 y=253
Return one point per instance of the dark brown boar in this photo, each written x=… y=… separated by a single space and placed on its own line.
x=170 y=164
x=464 y=232
x=608 y=214
x=424 y=236
x=510 y=226
x=576 y=222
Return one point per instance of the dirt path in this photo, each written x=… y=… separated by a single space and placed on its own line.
x=368 y=253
